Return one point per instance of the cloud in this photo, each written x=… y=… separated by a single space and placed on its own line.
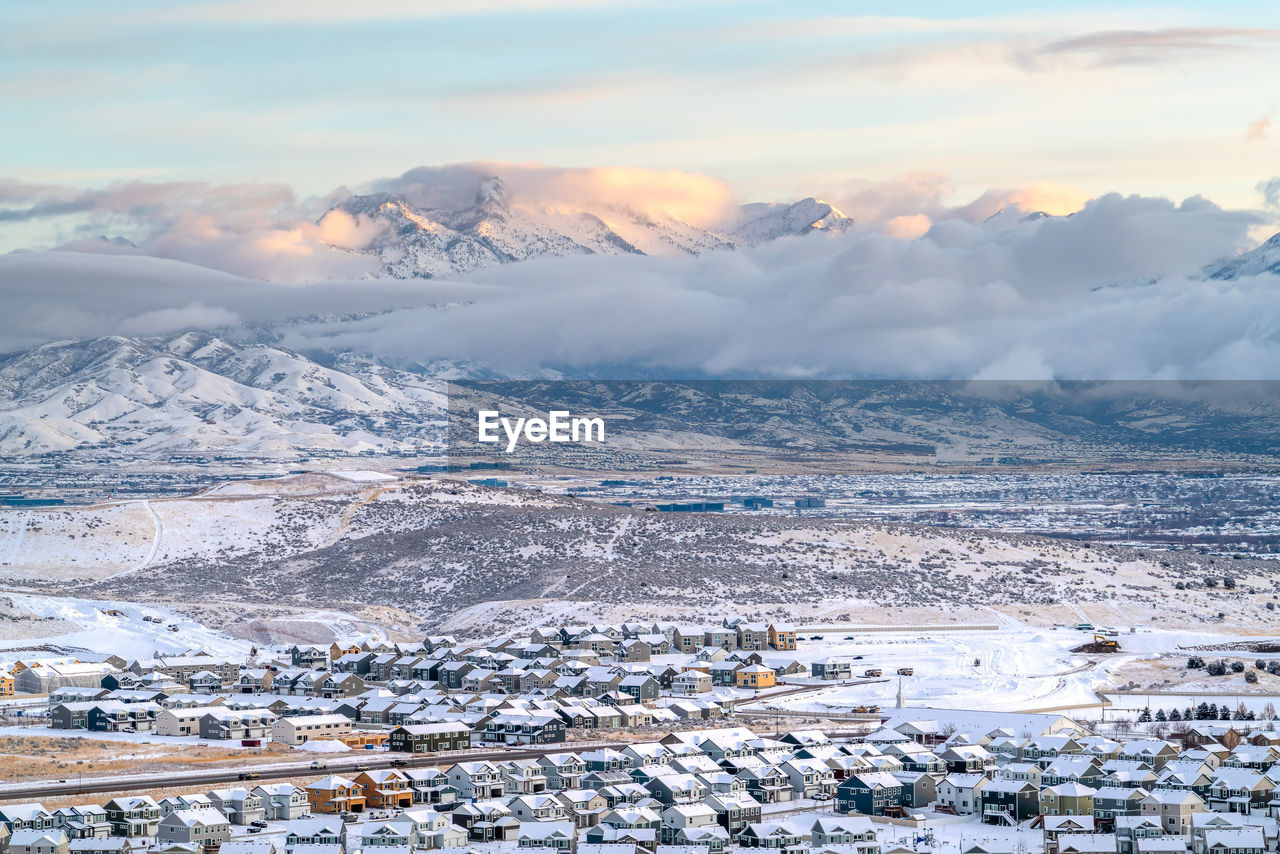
x=908 y=206
x=697 y=199
x=1111 y=291
x=1258 y=129
x=1145 y=47
x=1270 y=190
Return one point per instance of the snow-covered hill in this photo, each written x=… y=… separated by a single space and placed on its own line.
x=198 y=393
x=1264 y=259
x=498 y=229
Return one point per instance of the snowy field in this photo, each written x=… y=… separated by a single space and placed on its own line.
x=84 y=627
x=1017 y=667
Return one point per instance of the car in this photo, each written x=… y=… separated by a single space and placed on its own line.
x=359 y=766
x=399 y=763
x=259 y=823
x=253 y=829
x=849 y=637
x=248 y=775
x=316 y=765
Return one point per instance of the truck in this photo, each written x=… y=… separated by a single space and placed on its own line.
x=872 y=672
x=906 y=671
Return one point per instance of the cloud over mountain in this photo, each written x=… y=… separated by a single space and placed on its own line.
x=1113 y=290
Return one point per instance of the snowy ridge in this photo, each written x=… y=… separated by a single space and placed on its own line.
x=196 y=392
x=1264 y=259
x=497 y=229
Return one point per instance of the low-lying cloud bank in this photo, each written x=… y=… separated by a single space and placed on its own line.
x=1112 y=291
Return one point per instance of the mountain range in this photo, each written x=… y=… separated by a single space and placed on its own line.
x=197 y=393
x=200 y=394
x=417 y=242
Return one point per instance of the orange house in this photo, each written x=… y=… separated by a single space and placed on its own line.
x=6 y=684
x=385 y=788
x=337 y=650
x=782 y=637
x=334 y=794
x=756 y=676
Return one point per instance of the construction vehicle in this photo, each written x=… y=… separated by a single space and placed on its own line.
x=906 y=671
x=1103 y=640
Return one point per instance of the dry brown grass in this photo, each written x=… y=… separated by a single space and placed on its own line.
x=38 y=757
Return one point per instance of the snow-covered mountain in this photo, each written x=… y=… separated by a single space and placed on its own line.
x=497 y=228
x=198 y=393
x=1264 y=259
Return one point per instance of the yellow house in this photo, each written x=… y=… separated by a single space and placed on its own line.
x=6 y=684
x=756 y=676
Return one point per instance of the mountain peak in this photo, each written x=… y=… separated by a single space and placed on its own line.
x=426 y=242
x=495 y=192
x=1263 y=259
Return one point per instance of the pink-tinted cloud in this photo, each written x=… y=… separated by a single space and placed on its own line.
x=1258 y=129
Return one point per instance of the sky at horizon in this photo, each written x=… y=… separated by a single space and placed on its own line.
x=779 y=100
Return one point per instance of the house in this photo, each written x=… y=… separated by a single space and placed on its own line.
x=522 y=777
x=1132 y=829
x=385 y=788
x=1054 y=826
x=1112 y=802
x=38 y=842
x=785 y=836
x=809 y=777
x=1067 y=799
x=82 y=821
x=236 y=724
x=430 y=738
x=1174 y=808
x=867 y=793
x=431 y=787
x=832 y=668
x=1234 y=840
x=282 y=801
x=1086 y=843
x=734 y=811
x=133 y=816
x=26 y=817
x=207 y=829
x=962 y=792
x=300 y=729
x=642 y=687
x=240 y=806
x=768 y=784
x=678 y=817
x=311 y=832
x=1241 y=790
x=919 y=788
x=476 y=780
x=782 y=637
x=309 y=657
x=562 y=770
x=334 y=794
x=525 y=729
x=1009 y=801
x=548 y=835
x=755 y=677
x=542 y=807
x=98 y=845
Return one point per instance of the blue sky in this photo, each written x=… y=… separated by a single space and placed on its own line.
x=779 y=99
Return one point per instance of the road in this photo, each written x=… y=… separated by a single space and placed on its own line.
x=36 y=789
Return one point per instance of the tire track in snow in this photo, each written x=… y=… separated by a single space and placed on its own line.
x=18 y=538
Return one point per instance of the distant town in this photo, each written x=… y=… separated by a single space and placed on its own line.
x=633 y=738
